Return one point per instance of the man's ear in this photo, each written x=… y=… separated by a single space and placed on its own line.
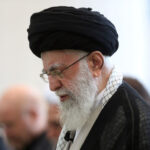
x=95 y=62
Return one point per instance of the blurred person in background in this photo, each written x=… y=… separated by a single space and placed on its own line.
x=3 y=141
x=54 y=125
x=3 y=145
x=23 y=113
x=138 y=86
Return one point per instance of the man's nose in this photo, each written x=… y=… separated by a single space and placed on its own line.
x=54 y=83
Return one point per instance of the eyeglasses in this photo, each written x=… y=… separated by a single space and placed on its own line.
x=56 y=72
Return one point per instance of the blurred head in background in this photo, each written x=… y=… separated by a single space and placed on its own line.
x=24 y=115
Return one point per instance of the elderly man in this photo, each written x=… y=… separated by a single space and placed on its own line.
x=24 y=116
x=98 y=110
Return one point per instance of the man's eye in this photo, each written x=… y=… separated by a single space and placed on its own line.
x=55 y=72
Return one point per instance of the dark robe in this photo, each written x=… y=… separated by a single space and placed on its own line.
x=39 y=143
x=123 y=124
x=3 y=145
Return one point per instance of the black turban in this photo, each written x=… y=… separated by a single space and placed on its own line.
x=71 y=28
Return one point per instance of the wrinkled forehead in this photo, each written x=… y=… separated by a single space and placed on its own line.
x=54 y=54
x=64 y=52
x=59 y=57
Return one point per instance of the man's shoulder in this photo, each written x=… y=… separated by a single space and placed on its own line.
x=129 y=96
x=120 y=121
x=40 y=143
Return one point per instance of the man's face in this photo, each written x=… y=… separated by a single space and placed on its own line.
x=58 y=60
x=77 y=89
x=15 y=127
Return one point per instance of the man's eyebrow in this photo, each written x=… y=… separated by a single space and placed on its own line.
x=52 y=67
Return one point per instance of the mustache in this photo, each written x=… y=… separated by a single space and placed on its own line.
x=61 y=92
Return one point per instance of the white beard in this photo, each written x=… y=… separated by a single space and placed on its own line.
x=82 y=92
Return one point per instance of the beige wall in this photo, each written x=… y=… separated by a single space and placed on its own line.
x=19 y=65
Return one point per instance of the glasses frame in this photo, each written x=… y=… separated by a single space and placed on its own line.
x=59 y=73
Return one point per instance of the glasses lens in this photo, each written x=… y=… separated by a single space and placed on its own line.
x=56 y=73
